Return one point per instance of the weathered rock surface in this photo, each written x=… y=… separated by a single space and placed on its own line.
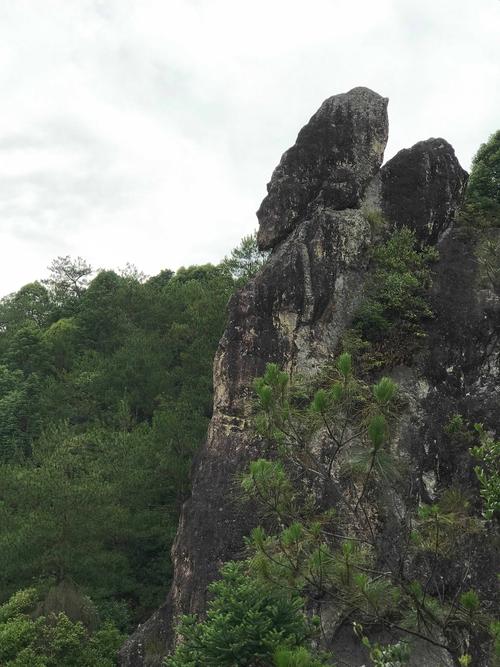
x=302 y=300
x=421 y=188
x=294 y=313
x=458 y=373
x=334 y=158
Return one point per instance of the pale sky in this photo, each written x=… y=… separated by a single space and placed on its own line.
x=145 y=131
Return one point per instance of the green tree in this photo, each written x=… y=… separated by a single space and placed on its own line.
x=487 y=254
x=159 y=281
x=31 y=305
x=103 y=321
x=133 y=479
x=297 y=657
x=68 y=279
x=246 y=624
x=45 y=533
x=30 y=640
x=104 y=398
x=245 y=260
x=61 y=342
x=483 y=190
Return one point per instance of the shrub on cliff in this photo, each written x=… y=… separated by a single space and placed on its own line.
x=488 y=471
x=396 y=300
x=326 y=496
x=388 y=325
x=246 y=624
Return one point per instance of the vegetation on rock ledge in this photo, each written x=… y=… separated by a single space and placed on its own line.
x=389 y=325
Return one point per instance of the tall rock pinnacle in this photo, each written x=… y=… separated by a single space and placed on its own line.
x=295 y=311
x=336 y=154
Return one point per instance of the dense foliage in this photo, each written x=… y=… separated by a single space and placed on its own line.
x=246 y=624
x=483 y=192
x=51 y=640
x=105 y=394
x=389 y=326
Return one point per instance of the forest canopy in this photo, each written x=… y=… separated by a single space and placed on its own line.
x=105 y=394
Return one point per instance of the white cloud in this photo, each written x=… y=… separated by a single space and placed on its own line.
x=145 y=130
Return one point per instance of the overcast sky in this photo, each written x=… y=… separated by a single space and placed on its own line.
x=145 y=131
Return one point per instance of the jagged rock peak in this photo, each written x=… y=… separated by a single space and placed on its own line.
x=334 y=158
x=422 y=188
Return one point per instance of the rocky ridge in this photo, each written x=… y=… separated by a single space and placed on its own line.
x=297 y=308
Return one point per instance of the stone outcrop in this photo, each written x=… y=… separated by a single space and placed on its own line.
x=295 y=311
x=292 y=313
x=421 y=188
x=333 y=160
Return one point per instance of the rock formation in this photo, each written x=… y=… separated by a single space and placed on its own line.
x=333 y=160
x=295 y=311
x=421 y=188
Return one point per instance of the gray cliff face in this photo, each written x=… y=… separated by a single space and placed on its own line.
x=295 y=312
x=334 y=158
